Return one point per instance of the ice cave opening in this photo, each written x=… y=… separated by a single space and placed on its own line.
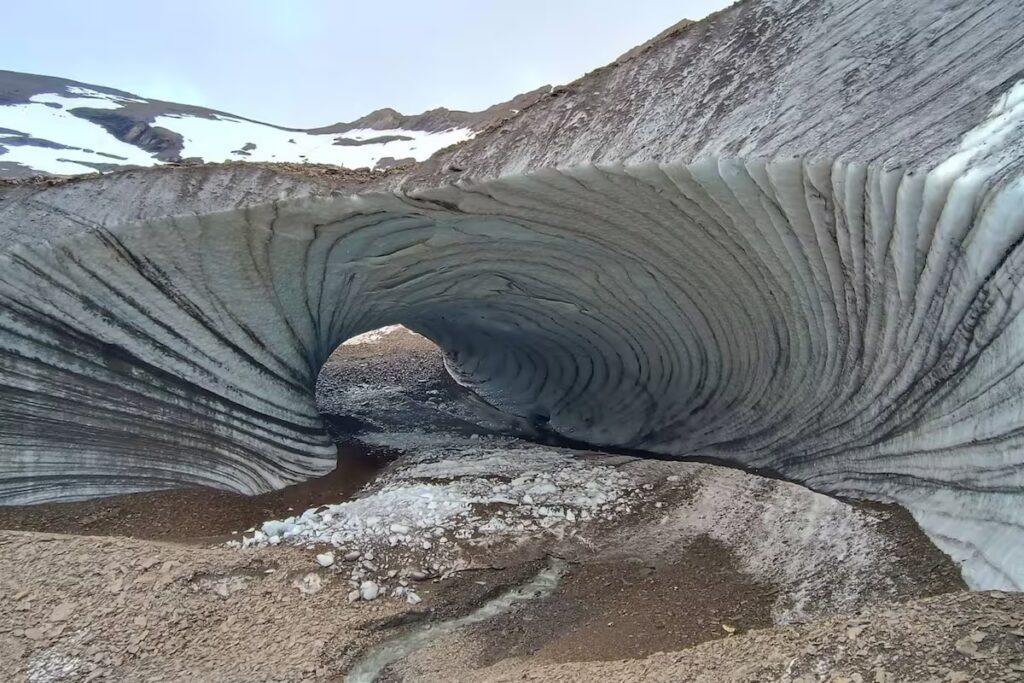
x=852 y=327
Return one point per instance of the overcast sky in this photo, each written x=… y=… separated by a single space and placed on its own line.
x=313 y=62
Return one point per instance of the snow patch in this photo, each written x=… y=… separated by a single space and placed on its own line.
x=48 y=117
x=221 y=138
x=90 y=142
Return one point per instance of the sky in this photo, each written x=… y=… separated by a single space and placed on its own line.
x=306 y=63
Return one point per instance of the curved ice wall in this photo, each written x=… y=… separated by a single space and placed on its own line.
x=855 y=328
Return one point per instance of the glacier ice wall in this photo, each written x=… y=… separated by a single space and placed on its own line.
x=854 y=327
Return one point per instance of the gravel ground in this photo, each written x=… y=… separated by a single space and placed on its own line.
x=954 y=638
x=81 y=608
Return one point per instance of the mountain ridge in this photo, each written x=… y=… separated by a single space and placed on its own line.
x=162 y=131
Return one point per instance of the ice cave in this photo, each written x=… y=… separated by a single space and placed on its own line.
x=783 y=283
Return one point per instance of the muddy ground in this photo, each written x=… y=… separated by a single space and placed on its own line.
x=196 y=515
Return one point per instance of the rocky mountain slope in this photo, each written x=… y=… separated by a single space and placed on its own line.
x=880 y=81
x=57 y=126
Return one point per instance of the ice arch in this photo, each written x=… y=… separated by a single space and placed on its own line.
x=853 y=327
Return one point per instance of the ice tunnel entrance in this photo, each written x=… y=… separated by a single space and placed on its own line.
x=852 y=327
x=391 y=385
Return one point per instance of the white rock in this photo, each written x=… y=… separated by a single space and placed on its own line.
x=309 y=584
x=325 y=559
x=369 y=590
x=544 y=490
x=276 y=528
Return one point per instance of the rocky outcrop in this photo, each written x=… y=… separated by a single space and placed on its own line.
x=440 y=119
x=846 y=318
x=162 y=143
x=882 y=81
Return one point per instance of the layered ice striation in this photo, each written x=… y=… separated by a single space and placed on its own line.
x=851 y=327
x=850 y=324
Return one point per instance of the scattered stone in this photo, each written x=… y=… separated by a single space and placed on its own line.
x=148 y=562
x=62 y=612
x=325 y=559
x=369 y=590
x=309 y=584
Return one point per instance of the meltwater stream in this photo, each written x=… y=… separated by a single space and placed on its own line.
x=370 y=666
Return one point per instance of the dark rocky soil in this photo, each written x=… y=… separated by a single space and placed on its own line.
x=194 y=514
x=622 y=610
x=953 y=638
